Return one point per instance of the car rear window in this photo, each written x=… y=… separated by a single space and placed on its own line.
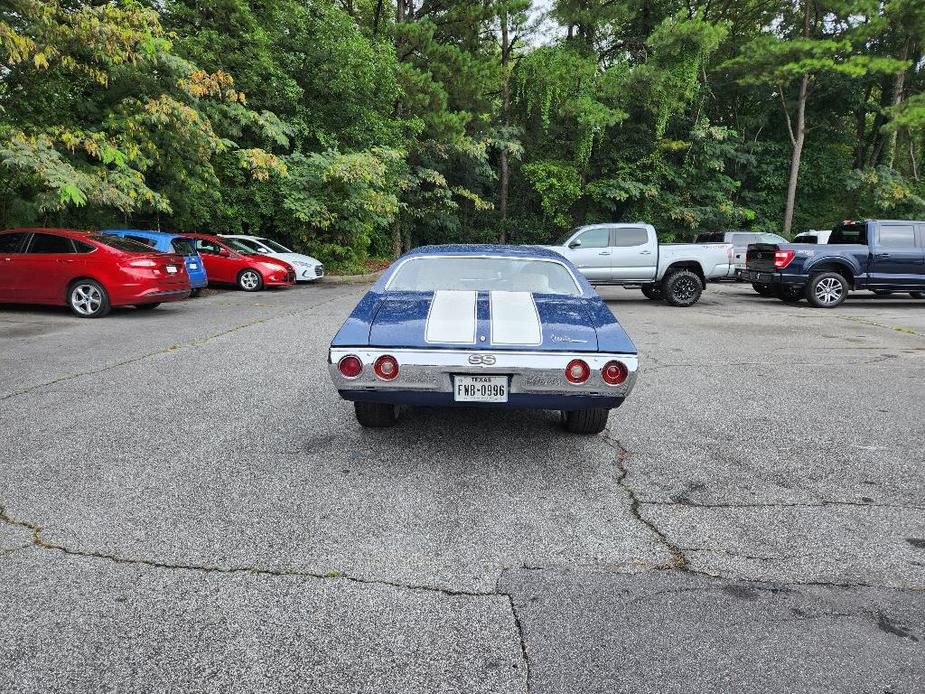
x=486 y=274
x=119 y=243
x=183 y=246
x=850 y=233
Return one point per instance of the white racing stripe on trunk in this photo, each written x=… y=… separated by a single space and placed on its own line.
x=451 y=318
x=515 y=319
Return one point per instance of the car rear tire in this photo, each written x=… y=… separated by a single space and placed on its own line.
x=917 y=295
x=147 y=307
x=195 y=292
x=763 y=289
x=376 y=415
x=250 y=281
x=682 y=288
x=88 y=299
x=653 y=291
x=827 y=290
x=585 y=421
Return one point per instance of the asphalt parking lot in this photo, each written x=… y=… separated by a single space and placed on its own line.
x=188 y=506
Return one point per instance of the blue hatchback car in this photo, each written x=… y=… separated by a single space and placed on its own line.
x=171 y=243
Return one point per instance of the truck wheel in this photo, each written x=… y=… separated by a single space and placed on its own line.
x=790 y=294
x=585 y=421
x=682 y=288
x=917 y=295
x=827 y=290
x=653 y=291
x=763 y=289
x=376 y=415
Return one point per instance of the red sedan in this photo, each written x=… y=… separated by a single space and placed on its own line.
x=228 y=261
x=87 y=271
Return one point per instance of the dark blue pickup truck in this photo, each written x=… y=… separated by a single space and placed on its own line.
x=880 y=255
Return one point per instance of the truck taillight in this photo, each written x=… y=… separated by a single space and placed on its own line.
x=782 y=259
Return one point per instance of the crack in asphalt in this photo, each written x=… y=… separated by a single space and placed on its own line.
x=520 y=635
x=678 y=560
x=198 y=342
x=782 y=504
x=866 y=321
x=41 y=543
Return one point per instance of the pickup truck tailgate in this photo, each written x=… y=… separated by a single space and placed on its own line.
x=760 y=257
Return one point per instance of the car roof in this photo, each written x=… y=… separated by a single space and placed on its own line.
x=196 y=235
x=485 y=249
x=47 y=230
x=143 y=232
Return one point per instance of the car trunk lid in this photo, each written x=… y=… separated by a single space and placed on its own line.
x=483 y=320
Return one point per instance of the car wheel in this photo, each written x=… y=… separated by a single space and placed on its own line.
x=790 y=294
x=763 y=289
x=88 y=299
x=195 y=292
x=682 y=288
x=585 y=421
x=827 y=290
x=653 y=291
x=148 y=307
x=917 y=295
x=375 y=414
x=250 y=281
x=883 y=292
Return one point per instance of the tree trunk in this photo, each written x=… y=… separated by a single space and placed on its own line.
x=898 y=85
x=396 y=225
x=798 y=137
x=506 y=111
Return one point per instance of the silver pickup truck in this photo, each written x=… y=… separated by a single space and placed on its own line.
x=630 y=255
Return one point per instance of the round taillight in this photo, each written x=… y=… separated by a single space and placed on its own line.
x=350 y=366
x=614 y=373
x=386 y=367
x=577 y=371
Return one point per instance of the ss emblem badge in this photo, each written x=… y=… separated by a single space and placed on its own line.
x=482 y=359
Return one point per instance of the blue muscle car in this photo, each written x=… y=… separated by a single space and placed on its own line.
x=489 y=326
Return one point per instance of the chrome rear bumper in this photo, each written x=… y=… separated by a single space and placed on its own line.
x=531 y=372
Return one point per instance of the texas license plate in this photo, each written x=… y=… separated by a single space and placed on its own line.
x=171 y=270
x=480 y=388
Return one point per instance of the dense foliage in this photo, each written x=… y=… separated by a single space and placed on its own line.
x=351 y=128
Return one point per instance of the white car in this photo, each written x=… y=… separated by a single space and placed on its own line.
x=307 y=269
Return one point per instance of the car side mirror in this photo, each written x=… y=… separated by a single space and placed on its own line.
x=224 y=251
x=575 y=244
